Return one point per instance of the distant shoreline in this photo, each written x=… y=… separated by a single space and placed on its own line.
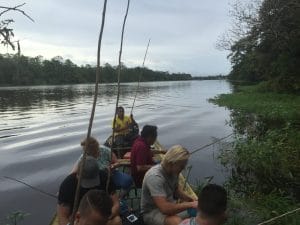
x=125 y=82
x=27 y=71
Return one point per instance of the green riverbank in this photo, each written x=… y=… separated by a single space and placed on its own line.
x=264 y=157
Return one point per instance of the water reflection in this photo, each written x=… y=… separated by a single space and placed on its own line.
x=26 y=98
x=41 y=128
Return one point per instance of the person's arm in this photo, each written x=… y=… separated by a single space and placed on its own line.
x=114 y=158
x=114 y=196
x=63 y=213
x=119 y=129
x=157 y=189
x=114 y=162
x=158 y=151
x=75 y=167
x=170 y=208
x=132 y=120
x=116 y=206
x=142 y=164
x=183 y=196
x=142 y=168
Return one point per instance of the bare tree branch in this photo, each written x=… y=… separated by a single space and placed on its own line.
x=5 y=31
x=245 y=17
x=16 y=8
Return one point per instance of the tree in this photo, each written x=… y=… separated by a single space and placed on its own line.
x=265 y=43
x=6 y=32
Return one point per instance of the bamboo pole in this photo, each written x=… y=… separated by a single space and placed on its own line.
x=280 y=216
x=143 y=67
x=205 y=146
x=76 y=201
x=119 y=75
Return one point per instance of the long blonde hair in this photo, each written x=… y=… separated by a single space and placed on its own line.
x=175 y=154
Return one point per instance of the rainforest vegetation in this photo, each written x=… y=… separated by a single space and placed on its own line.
x=264 y=157
x=23 y=70
x=264 y=43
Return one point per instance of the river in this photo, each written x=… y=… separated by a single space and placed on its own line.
x=41 y=128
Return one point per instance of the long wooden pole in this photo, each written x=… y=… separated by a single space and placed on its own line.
x=119 y=72
x=280 y=216
x=140 y=75
x=205 y=146
x=98 y=70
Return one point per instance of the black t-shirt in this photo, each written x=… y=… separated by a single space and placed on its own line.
x=67 y=188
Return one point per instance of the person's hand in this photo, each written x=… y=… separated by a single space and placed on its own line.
x=113 y=166
x=194 y=204
x=192 y=199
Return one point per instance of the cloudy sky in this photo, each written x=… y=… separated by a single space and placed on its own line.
x=183 y=32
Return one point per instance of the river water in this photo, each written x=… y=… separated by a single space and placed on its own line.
x=41 y=128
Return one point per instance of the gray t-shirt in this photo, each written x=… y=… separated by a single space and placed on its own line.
x=157 y=183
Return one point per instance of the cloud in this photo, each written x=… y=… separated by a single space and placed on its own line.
x=183 y=33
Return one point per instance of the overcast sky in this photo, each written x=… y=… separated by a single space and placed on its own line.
x=183 y=32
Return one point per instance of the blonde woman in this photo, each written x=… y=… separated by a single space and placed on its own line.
x=160 y=190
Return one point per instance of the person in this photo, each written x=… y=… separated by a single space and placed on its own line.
x=106 y=160
x=212 y=203
x=94 y=208
x=160 y=190
x=141 y=155
x=125 y=128
x=92 y=178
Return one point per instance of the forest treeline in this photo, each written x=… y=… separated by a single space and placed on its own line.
x=263 y=159
x=264 y=42
x=22 y=70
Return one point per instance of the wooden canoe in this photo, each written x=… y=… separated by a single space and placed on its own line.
x=126 y=162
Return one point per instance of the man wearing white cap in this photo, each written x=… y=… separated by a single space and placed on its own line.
x=92 y=178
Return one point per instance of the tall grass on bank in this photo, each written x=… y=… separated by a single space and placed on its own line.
x=268 y=105
x=253 y=210
x=265 y=156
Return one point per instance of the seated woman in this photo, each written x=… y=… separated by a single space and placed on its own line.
x=106 y=161
x=125 y=129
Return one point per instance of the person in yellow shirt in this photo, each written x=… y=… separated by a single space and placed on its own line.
x=125 y=128
x=122 y=122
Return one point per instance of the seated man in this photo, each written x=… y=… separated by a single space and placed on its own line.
x=160 y=190
x=212 y=203
x=106 y=160
x=94 y=208
x=141 y=154
x=124 y=128
x=92 y=178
